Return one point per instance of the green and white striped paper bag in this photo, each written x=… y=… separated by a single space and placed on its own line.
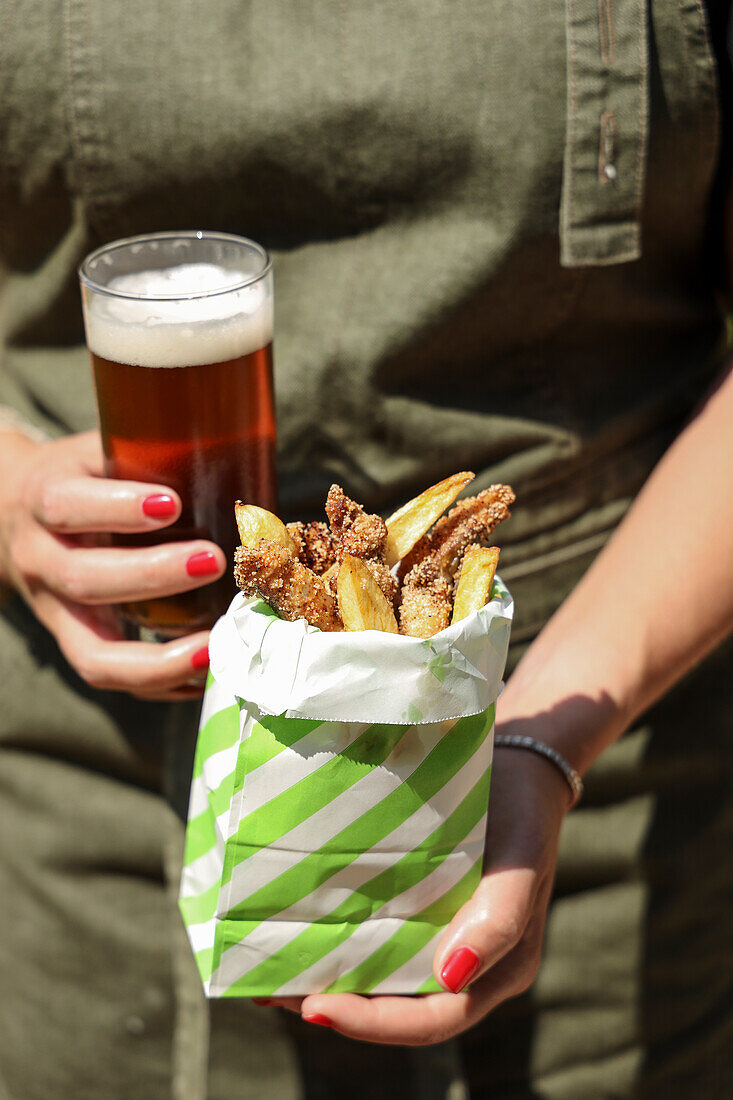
x=339 y=798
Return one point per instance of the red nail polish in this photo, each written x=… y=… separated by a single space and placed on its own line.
x=459 y=969
x=200 y=660
x=203 y=564
x=317 y=1018
x=159 y=506
x=261 y=1001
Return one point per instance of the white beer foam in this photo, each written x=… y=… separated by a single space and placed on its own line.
x=150 y=332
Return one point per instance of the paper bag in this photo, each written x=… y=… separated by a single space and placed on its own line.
x=338 y=803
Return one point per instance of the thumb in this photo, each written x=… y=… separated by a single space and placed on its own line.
x=487 y=927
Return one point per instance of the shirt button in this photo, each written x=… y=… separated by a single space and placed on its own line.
x=135 y=1025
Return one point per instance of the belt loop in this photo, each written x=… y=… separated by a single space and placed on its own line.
x=604 y=165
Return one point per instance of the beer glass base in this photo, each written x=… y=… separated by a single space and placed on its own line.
x=135 y=632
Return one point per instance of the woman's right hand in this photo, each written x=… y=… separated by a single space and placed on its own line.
x=54 y=494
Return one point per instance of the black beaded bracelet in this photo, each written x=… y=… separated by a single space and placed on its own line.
x=569 y=774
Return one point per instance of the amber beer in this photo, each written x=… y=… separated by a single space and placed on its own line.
x=185 y=399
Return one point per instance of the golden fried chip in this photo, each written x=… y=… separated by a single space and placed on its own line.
x=410 y=522
x=271 y=571
x=476 y=580
x=256 y=523
x=362 y=603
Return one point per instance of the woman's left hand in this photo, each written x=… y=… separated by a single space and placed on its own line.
x=491 y=949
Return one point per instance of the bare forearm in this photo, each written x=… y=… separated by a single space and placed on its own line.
x=656 y=600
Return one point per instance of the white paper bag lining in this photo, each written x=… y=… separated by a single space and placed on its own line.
x=294 y=670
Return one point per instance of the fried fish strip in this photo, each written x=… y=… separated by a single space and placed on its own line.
x=426 y=603
x=273 y=572
x=428 y=582
x=315 y=544
x=361 y=535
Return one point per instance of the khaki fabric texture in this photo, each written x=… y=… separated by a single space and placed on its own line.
x=491 y=227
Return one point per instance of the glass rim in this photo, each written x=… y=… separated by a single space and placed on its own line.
x=170 y=235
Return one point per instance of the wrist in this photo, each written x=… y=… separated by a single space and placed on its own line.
x=576 y=721
x=527 y=743
x=13 y=422
x=529 y=785
x=16 y=451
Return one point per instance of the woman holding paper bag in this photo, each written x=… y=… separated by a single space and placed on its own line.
x=496 y=232
x=584 y=680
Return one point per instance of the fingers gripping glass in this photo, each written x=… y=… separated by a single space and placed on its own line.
x=179 y=328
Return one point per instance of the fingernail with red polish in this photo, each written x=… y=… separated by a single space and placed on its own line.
x=200 y=660
x=317 y=1018
x=159 y=506
x=261 y=1001
x=459 y=969
x=203 y=564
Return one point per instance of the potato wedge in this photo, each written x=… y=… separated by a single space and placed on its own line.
x=476 y=580
x=256 y=523
x=410 y=522
x=362 y=603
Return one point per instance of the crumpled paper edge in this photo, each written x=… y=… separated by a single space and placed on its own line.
x=294 y=670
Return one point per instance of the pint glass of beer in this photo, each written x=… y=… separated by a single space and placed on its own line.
x=179 y=327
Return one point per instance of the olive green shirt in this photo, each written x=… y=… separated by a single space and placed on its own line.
x=492 y=230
